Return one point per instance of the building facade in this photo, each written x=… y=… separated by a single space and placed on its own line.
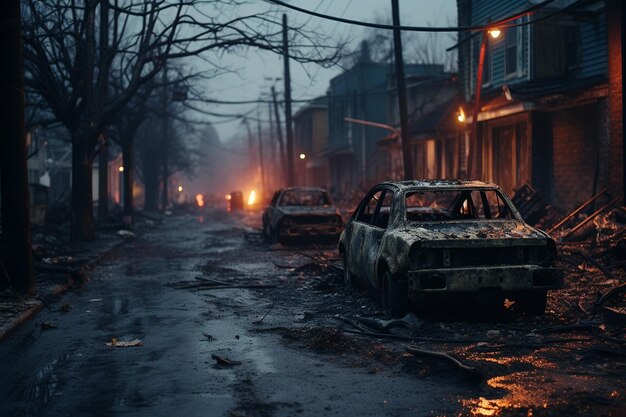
x=543 y=113
x=311 y=140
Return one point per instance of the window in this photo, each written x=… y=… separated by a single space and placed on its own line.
x=449 y=205
x=511 y=51
x=381 y=217
x=309 y=198
x=368 y=209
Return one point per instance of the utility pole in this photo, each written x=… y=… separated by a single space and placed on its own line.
x=290 y=167
x=401 y=87
x=279 y=130
x=260 y=140
x=165 y=140
x=272 y=147
x=250 y=146
x=16 y=251
x=473 y=142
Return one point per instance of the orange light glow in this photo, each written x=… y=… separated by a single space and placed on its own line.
x=228 y=197
x=461 y=115
x=495 y=33
x=200 y=200
x=251 y=198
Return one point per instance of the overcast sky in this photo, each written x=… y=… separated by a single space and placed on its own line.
x=248 y=81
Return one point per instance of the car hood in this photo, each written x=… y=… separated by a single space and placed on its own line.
x=307 y=210
x=474 y=234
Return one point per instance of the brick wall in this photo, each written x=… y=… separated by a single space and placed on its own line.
x=580 y=137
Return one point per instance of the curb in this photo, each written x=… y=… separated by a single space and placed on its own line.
x=37 y=305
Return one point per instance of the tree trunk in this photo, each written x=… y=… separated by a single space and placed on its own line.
x=16 y=237
x=151 y=179
x=127 y=157
x=82 y=225
x=103 y=181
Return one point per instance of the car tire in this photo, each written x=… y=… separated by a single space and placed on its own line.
x=534 y=302
x=394 y=296
x=348 y=277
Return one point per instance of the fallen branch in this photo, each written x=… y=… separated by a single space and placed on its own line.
x=268 y=312
x=608 y=295
x=423 y=352
x=569 y=327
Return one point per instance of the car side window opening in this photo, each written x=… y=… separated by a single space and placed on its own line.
x=275 y=198
x=366 y=213
x=456 y=205
x=381 y=217
x=309 y=198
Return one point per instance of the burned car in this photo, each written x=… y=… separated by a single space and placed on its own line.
x=298 y=213
x=418 y=243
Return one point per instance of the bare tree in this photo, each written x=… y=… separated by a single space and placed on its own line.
x=73 y=46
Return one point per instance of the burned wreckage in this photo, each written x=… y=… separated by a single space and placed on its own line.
x=298 y=213
x=421 y=242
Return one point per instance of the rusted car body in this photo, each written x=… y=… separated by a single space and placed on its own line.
x=299 y=213
x=419 y=242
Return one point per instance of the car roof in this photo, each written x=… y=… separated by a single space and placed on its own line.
x=438 y=184
x=302 y=189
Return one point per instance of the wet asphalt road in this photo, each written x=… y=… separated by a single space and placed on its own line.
x=69 y=371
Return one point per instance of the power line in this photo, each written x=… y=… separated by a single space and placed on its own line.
x=421 y=28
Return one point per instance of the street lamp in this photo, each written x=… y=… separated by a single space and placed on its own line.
x=302 y=156
x=180 y=188
x=495 y=33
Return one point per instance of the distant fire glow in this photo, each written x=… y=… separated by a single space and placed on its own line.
x=251 y=198
x=200 y=200
x=228 y=197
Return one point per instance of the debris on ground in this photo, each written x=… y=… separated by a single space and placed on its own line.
x=66 y=308
x=414 y=350
x=223 y=361
x=208 y=337
x=126 y=234
x=123 y=343
x=47 y=325
x=321 y=339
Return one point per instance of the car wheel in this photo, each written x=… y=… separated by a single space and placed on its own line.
x=534 y=302
x=348 y=278
x=394 y=296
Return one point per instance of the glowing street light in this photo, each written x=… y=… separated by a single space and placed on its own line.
x=461 y=115
x=495 y=33
x=302 y=156
x=180 y=188
x=121 y=169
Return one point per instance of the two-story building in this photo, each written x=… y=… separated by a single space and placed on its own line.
x=543 y=114
x=310 y=142
x=436 y=135
x=362 y=92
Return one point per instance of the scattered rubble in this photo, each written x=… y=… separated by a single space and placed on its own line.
x=223 y=361
x=122 y=343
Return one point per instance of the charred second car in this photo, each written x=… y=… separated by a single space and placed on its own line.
x=421 y=242
x=298 y=213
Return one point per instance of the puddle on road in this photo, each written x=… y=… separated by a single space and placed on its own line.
x=532 y=393
x=46 y=384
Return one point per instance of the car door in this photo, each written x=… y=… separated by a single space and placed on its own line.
x=372 y=237
x=362 y=220
x=269 y=212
